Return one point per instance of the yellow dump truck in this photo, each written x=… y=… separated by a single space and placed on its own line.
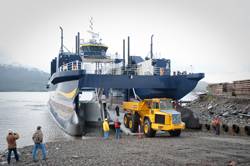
x=153 y=115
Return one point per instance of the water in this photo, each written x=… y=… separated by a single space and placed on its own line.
x=23 y=112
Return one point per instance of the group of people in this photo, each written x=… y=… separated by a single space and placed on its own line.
x=38 y=144
x=38 y=139
x=105 y=126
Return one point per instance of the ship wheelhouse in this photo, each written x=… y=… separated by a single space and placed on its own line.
x=93 y=50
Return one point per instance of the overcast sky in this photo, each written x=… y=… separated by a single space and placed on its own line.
x=211 y=35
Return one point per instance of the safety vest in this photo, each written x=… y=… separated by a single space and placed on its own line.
x=105 y=126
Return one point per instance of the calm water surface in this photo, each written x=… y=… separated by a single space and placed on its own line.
x=22 y=112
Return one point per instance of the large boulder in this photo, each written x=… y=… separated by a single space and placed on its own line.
x=187 y=116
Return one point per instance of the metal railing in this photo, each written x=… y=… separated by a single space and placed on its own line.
x=75 y=65
x=116 y=70
x=180 y=73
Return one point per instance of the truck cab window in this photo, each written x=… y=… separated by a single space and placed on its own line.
x=166 y=105
x=155 y=105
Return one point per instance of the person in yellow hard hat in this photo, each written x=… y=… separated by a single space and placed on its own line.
x=105 y=127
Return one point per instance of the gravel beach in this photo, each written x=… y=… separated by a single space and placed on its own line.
x=191 y=148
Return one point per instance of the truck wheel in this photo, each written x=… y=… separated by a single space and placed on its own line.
x=126 y=120
x=148 y=131
x=135 y=122
x=175 y=133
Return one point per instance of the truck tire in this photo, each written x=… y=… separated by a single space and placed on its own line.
x=126 y=120
x=148 y=131
x=135 y=123
x=175 y=133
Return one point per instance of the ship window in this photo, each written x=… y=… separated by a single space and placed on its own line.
x=94 y=50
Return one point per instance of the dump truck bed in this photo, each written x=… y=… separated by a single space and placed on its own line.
x=133 y=106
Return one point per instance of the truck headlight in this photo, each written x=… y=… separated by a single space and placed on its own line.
x=176 y=118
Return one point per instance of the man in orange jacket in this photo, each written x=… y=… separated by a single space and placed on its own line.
x=11 y=140
x=216 y=125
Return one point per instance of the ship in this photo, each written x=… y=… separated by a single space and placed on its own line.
x=85 y=80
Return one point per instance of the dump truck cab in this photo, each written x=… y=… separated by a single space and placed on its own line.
x=153 y=115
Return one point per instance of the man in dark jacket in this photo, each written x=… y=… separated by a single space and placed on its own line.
x=117 y=110
x=11 y=140
x=38 y=140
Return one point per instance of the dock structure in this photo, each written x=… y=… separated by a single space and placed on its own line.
x=224 y=88
x=239 y=88
x=242 y=88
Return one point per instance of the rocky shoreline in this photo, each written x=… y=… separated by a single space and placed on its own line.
x=231 y=110
x=191 y=148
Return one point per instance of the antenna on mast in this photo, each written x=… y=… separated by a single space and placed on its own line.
x=91 y=31
x=151 y=47
x=61 y=49
x=91 y=23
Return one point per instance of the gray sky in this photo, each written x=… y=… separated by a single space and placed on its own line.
x=211 y=35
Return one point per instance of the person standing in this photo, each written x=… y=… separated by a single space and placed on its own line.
x=11 y=140
x=105 y=127
x=38 y=143
x=140 y=133
x=105 y=110
x=117 y=129
x=117 y=110
x=216 y=125
x=100 y=127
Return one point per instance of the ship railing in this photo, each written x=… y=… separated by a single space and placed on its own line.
x=129 y=70
x=75 y=65
x=161 y=71
x=157 y=71
x=134 y=70
x=180 y=73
